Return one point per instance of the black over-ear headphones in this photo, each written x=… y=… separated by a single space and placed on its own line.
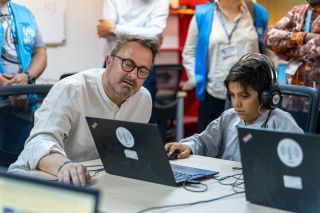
x=270 y=97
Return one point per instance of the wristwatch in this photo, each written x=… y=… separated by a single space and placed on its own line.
x=31 y=78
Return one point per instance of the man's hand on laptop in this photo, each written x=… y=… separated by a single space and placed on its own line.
x=74 y=173
x=184 y=150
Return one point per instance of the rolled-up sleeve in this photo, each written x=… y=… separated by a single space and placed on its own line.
x=52 y=125
x=208 y=143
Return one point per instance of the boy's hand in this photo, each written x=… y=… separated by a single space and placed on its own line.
x=184 y=150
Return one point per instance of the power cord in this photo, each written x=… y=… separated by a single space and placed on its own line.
x=188 y=204
x=95 y=171
x=194 y=185
x=235 y=180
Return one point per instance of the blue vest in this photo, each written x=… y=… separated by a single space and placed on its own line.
x=204 y=18
x=25 y=31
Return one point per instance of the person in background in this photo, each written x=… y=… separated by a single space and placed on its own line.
x=254 y=92
x=137 y=17
x=220 y=33
x=23 y=59
x=296 y=38
x=61 y=138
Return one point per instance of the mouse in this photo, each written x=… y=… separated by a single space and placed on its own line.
x=174 y=155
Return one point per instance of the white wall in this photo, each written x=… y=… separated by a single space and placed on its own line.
x=83 y=49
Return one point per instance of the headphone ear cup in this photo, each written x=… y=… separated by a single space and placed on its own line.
x=270 y=99
x=275 y=99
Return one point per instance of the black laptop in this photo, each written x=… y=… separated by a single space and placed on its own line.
x=136 y=150
x=28 y=194
x=281 y=169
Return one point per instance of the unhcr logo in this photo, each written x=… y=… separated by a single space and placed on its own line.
x=28 y=35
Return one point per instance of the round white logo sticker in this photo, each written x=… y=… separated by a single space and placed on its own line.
x=28 y=32
x=290 y=152
x=125 y=137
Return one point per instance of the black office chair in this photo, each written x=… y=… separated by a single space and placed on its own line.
x=8 y=157
x=66 y=75
x=165 y=108
x=303 y=104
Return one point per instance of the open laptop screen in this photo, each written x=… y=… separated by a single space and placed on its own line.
x=26 y=194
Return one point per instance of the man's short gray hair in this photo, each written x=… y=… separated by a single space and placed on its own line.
x=148 y=42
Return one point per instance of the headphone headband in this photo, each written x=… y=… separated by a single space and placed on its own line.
x=269 y=98
x=265 y=61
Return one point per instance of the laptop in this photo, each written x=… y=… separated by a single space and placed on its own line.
x=136 y=150
x=281 y=169
x=28 y=194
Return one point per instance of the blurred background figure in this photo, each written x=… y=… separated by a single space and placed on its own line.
x=23 y=59
x=140 y=17
x=296 y=38
x=219 y=34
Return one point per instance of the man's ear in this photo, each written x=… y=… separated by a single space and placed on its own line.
x=108 y=61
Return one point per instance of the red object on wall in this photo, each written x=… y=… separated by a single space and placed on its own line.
x=192 y=3
x=191 y=103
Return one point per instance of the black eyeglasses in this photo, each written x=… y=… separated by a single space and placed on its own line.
x=128 y=66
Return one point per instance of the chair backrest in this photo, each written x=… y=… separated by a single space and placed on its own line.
x=303 y=104
x=12 y=120
x=168 y=80
x=64 y=75
x=165 y=107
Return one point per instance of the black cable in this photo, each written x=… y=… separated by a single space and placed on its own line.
x=188 y=204
x=94 y=172
x=265 y=124
x=236 y=182
x=189 y=184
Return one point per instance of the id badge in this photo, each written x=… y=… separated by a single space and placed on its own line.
x=228 y=51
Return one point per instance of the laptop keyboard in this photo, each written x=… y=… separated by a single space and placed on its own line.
x=181 y=177
x=183 y=173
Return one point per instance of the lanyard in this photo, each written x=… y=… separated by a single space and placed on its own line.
x=229 y=35
x=11 y=25
x=308 y=21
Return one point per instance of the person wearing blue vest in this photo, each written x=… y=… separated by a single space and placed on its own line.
x=23 y=59
x=220 y=32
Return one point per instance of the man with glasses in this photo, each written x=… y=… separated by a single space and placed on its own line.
x=61 y=136
x=136 y=17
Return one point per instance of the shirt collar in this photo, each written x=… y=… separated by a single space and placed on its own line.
x=258 y=123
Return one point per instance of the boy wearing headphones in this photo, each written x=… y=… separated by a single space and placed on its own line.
x=254 y=93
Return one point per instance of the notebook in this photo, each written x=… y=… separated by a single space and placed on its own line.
x=136 y=150
x=281 y=169
x=28 y=194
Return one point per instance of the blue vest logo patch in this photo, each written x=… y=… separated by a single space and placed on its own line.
x=28 y=35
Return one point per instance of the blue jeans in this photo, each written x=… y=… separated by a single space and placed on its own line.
x=13 y=133
x=209 y=109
